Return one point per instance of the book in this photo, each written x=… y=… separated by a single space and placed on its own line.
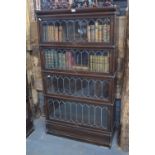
x=51 y=58
x=104 y=33
x=106 y=63
x=55 y=58
x=56 y=33
x=91 y=62
x=69 y=60
x=99 y=63
x=92 y=33
x=99 y=33
x=88 y=33
x=96 y=31
x=59 y=60
x=76 y=67
x=108 y=32
x=44 y=33
x=63 y=60
x=60 y=33
x=48 y=33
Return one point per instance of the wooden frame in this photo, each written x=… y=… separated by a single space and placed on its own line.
x=67 y=129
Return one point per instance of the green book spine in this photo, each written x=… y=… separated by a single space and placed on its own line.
x=108 y=33
x=63 y=60
x=59 y=61
x=100 y=33
x=52 y=59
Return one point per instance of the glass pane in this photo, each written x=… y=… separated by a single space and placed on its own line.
x=79 y=30
x=79 y=113
x=74 y=86
x=82 y=60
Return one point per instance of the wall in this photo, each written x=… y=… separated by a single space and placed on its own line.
x=124 y=130
x=32 y=55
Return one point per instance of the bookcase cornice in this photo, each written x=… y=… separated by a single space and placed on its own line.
x=108 y=10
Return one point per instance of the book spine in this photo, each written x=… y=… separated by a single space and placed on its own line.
x=63 y=60
x=60 y=33
x=56 y=34
x=91 y=62
x=106 y=64
x=48 y=33
x=100 y=33
x=69 y=59
x=100 y=63
x=59 y=60
x=94 y=63
x=96 y=32
x=104 y=33
x=43 y=33
x=88 y=33
x=55 y=57
x=92 y=33
x=46 y=59
x=108 y=32
x=52 y=33
x=51 y=59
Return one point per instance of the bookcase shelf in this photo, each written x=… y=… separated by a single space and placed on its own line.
x=77 y=45
x=78 y=59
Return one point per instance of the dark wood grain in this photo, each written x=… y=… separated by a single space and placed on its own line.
x=66 y=129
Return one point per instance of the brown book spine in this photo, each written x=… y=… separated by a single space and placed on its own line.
x=56 y=34
x=100 y=33
x=49 y=33
x=52 y=33
x=60 y=33
x=69 y=59
x=104 y=33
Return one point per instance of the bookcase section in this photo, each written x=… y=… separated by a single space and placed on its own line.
x=77 y=86
x=80 y=113
x=86 y=60
x=98 y=30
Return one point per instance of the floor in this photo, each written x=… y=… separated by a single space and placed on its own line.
x=40 y=143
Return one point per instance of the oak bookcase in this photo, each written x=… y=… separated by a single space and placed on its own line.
x=78 y=58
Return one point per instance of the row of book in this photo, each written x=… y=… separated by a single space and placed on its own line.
x=65 y=60
x=59 y=60
x=99 y=63
x=95 y=33
x=52 y=33
x=98 y=33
